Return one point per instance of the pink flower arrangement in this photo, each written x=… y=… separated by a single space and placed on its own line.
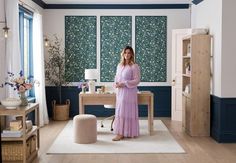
x=21 y=84
x=82 y=84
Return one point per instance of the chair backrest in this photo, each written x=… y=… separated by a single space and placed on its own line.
x=109 y=106
x=110 y=89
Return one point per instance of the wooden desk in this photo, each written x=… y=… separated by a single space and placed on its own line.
x=144 y=98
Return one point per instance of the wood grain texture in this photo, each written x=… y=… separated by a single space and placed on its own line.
x=197 y=107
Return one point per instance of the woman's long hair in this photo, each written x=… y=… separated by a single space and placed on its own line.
x=122 y=59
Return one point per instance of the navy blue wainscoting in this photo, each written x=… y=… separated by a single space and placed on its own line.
x=223 y=119
x=162 y=101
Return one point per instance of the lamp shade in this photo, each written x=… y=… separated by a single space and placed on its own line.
x=90 y=74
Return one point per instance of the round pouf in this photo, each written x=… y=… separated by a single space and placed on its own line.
x=85 y=129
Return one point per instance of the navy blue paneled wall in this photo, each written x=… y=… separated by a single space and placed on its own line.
x=223 y=119
x=223 y=110
x=162 y=101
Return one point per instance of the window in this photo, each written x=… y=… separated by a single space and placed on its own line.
x=26 y=50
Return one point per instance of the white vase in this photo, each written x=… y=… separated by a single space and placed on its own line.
x=91 y=84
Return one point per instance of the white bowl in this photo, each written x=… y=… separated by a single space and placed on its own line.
x=11 y=103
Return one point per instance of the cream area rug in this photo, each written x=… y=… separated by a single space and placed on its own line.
x=161 y=141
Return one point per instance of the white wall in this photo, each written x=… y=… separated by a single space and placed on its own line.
x=208 y=14
x=32 y=6
x=219 y=17
x=228 y=88
x=176 y=18
x=2 y=49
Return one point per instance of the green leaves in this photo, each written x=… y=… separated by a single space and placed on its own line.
x=55 y=65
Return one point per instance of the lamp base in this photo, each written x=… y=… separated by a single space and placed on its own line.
x=91 y=84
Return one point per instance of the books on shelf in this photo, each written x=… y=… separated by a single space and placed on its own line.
x=7 y=130
x=15 y=129
x=11 y=133
x=16 y=125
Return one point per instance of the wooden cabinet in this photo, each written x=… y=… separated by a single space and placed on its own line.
x=23 y=111
x=196 y=84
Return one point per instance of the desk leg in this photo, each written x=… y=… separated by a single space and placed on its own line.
x=149 y=119
x=81 y=106
x=152 y=113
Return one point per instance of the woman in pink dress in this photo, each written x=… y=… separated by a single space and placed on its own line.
x=127 y=78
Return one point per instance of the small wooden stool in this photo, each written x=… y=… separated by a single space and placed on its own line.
x=85 y=128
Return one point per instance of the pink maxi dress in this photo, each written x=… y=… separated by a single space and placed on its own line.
x=126 y=114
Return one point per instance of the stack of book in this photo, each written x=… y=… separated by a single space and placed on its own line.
x=11 y=133
x=15 y=125
x=15 y=129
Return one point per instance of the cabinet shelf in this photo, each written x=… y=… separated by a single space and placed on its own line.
x=28 y=134
x=196 y=103
x=23 y=111
x=186 y=57
x=187 y=75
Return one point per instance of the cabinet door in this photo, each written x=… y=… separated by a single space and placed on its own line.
x=177 y=52
x=183 y=112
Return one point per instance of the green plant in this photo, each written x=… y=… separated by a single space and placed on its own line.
x=55 y=72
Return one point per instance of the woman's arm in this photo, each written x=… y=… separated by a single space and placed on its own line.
x=136 y=77
x=116 y=77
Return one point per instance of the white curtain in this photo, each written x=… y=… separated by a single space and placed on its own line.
x=38 y=62
x=12 y=43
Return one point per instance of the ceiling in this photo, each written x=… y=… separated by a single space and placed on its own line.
x=116 y=1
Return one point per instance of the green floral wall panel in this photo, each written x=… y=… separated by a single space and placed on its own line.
x=150 y=47
x=80 y=45
x=116 y=33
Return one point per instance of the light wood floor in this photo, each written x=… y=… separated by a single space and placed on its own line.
x=198 y=150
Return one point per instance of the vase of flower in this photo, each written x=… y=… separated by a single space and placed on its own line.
x=23 y=98
x=83 y=86
x=20 y=84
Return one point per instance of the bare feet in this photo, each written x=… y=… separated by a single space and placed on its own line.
x=118 y=138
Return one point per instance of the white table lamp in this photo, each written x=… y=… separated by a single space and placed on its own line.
x=91 y=74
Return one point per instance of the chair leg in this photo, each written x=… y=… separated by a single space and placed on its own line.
x=113 y=118
x=105 y=119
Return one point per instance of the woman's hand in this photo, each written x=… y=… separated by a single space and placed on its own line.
x=120 y=85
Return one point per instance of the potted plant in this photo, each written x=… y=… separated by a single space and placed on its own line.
x=55 y=75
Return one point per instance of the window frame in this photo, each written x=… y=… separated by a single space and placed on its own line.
x=28 y=15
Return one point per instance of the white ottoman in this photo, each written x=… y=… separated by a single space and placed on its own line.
x=85 y=129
